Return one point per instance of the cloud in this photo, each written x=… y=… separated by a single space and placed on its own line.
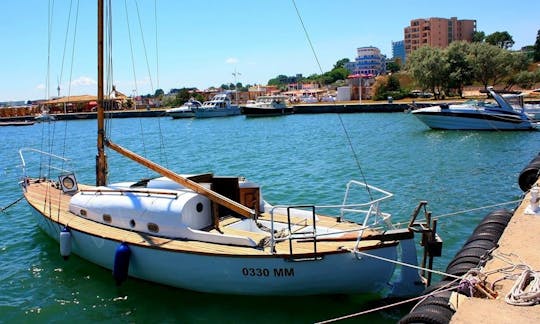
x=40 y=86
x=231 y=60
x=83 y=81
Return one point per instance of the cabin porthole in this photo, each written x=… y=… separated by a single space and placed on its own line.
x=83 y=212
x=199 y=207
x=107 y=218
x=132 y=223
x=153 y=227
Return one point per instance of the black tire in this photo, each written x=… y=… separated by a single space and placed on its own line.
x=435 y=301
x=430 y=315
x=484 y=236
x=472 y=251
x=529 y=175
x=475 y=260
x=440 y=285
x=460 y=269
x=490 y=227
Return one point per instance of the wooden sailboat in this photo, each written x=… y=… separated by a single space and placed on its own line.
x=216 y=234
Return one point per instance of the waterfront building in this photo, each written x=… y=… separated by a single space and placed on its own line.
x=369 y=61
x=437 y=32
x=398 y=51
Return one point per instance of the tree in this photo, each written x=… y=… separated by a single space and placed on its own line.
x=490 y=64
x=393 y=66
x=429 y=67
x=500 y=39
x=460 y=70
x=341 y=63
x=478 y=37
x=536 y=55
x=159 y=93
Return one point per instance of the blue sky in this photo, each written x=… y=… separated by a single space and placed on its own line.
x=201 y=43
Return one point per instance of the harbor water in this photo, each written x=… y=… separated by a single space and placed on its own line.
x=297 y=159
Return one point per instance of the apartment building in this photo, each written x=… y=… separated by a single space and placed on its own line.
x=369 y=61
x=437 y=32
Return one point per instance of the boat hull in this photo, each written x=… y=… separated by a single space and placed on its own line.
x=469 y=121
x=221 y=112
x=268 y=274
x=266 y=112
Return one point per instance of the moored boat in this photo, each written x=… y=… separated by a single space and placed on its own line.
x=18 y=123
x=219 y=106
x=184 y=111
x=476 y=115
x=217 y=234
x=273 y=105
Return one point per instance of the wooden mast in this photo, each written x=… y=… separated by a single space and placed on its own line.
x=101 y=158
x=212 y=195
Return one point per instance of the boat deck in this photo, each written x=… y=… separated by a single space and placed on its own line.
x=54 y=204
x=520 y=240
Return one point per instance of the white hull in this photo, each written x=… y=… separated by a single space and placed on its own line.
x=471 y=122
x=217 y=112
x=264 y=275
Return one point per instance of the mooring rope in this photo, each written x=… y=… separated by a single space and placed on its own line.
x=449 y=288
x=478 y=208
x=3 y=209
x=407 y=265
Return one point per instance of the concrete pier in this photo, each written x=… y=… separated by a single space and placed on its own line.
x=521 y=243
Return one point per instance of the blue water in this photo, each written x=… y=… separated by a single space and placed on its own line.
x=297 y=159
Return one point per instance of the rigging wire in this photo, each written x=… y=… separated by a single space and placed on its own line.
x=355 y=155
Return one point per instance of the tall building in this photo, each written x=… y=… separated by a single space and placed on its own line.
x=369 y=60
x=437 y=32
x=398 y=51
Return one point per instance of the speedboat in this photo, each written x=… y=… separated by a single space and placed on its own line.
x=184 y=111
x=274 y=105
x=476 y=115
x=219 y=106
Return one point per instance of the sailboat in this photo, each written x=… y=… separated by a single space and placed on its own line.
x=217 y=234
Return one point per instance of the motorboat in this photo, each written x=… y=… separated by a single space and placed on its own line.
x=217 y=234
x=44 y=116
x=273 y=105
x=18 y=123
x=518 y=103
x=184 y=111
x=219 y=106
x=477 y=115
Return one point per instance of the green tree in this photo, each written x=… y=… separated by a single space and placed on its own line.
x=393 y=66
x=429 y=67
x=460 y=69
x=536 y=55
x=341 y=63
x=500 y=39
x=159 y=93
x=478 y=37
x=490 y=64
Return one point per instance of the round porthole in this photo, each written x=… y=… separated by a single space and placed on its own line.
x=132 y=223
x=152 y=227
x=199 y=207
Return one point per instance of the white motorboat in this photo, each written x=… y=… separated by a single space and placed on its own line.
x=44 y=116
x=219 y=106
x=476 y=115
x=273 y=105
x=184 y=111
x=218 y=234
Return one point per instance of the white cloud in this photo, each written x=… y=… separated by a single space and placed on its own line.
x=40 y=86
x=231 y=60
x=83 y=81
